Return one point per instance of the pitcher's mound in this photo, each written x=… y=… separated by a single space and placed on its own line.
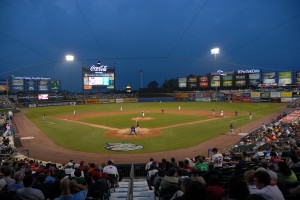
x=124 y=133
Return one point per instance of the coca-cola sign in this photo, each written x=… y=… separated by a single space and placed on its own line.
x=101 y=68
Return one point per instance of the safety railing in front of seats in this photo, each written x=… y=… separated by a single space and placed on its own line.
x=130 y=184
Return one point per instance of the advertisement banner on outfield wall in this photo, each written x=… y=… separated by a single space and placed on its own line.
x=255 y=100
x=286 y=100
x=131 y=100
x=255 y=94
x=286 y=94
x=248 y=95
x=199 y=95
x=275 y=94
x=246 y=99
x=181 y=95
x=119 y=100
x=207 y=94
x=103 y=100
x=275 y=100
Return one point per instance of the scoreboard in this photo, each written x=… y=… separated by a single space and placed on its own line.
x=98 y=78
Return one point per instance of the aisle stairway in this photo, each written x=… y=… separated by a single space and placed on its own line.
x=140 y=190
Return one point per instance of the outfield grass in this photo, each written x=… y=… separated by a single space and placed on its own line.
x=90 y=139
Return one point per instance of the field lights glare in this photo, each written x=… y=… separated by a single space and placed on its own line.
x=69 y=57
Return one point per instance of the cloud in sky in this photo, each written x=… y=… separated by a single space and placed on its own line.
x=164 y=39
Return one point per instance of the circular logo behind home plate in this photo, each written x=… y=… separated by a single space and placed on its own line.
x=122 y=146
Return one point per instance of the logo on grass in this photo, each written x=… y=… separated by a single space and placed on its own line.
x=122 y=146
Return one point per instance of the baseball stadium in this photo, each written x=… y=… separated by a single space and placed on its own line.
x=233 y=112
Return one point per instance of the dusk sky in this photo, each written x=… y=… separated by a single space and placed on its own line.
x=164 y=38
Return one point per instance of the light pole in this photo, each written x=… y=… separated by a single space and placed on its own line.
x=70 y=58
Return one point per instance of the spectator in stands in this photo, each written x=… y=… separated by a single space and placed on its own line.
x=69 y=168
x=169 y=183
x=214 y=190
x=54 y=189
x=151 y=174
x=195 y=176
x=293 y=161
x=181 y=170
x=262 y=182
x=217 y=158
x=28 y=192
x=158 y=179
x=201 y=165
x=66 y=187
x=112 y=172
x=264 y=166
x=285 y=175
x=4 y=193
x=7 y=175
x=237 y=188
x=173 y=162
x=13 y=187
x=99 y=186
x=193 y=191
x=147 y=167
x=249 y=178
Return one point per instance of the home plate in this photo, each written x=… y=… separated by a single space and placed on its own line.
x=27 y=138
x=243 y=134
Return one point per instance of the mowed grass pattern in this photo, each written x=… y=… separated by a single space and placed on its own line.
x=85 y=138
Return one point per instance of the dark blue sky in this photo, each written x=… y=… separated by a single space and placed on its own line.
x=164 y=39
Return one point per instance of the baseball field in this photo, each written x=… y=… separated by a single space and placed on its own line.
x=95 y=126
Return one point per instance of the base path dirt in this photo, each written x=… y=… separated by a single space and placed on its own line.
x=42 y=148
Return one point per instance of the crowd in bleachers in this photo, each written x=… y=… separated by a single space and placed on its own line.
x=5 y=103
x=30 y=179
x=264 y=165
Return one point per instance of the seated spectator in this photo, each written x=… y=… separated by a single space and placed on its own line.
x=274 y=160
x=286 y=176
x=195 y=176
x=214 y=190
x=237 y=188
x=264 y=166
x=201 y=165
x=158 y=179
x=217 y=158
x=262 y=182
x=7 y=175
x=99 y=187
x=249 y=178
x=192 y=190
x=181 y=171
x=112 y=172
x=151 y=174
x=4 y=193
x=169 y=184
x=66 y=187
x=28 y=192
x=13 y=187
x=293 y=161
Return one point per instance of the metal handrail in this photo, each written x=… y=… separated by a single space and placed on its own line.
x=130 y=185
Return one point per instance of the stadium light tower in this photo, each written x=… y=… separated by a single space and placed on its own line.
x=70 y=58
x=215 y=51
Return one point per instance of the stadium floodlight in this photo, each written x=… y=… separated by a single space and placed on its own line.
x=215 y=51
x=69 y=57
